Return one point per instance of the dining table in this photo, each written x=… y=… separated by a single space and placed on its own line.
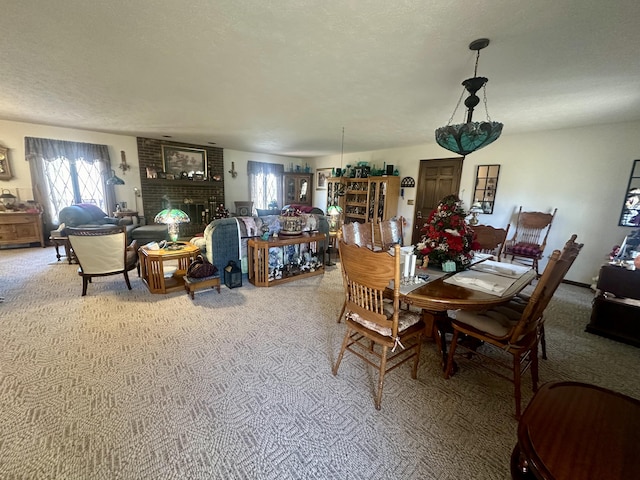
x=439 y=294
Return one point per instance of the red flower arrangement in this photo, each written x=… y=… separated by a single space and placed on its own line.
x=446 y=235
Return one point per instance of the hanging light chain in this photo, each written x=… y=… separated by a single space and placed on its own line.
x=484 y=99
x=456 y=109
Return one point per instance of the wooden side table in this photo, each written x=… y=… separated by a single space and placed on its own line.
x=68 y=250
x=152 y=267
x=261 y=274
x=574 y=430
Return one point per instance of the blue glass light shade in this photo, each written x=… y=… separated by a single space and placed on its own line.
x=465 y=138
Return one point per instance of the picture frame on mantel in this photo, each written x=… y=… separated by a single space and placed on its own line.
x=176 y=160
x=5 y=168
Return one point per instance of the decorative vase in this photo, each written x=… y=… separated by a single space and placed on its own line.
x=290 y=225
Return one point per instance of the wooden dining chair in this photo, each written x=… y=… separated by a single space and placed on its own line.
x=391 y=232
x=102 y=251
x=516 y=333
x=378 y=332
x=490 y=239
x=530 y=238
x=356 y=233
x=519 y=302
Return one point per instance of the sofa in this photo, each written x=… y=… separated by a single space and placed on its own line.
x=226 y=239
x=89 y=215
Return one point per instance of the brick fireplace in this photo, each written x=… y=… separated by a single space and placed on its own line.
x=201 y=195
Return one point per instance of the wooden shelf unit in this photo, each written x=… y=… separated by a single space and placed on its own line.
x=258 y=257
x=18 y=228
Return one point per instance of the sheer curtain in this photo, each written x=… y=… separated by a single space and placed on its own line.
x=63 y=173
x=265 y=183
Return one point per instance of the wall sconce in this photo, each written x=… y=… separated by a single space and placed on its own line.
x=233 y=172
x=124 y=166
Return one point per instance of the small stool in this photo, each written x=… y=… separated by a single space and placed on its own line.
x=193 y=284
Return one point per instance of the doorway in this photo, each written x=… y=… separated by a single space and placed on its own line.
x=436 y=179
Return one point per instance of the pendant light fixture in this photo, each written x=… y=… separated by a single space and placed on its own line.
x=465 y=138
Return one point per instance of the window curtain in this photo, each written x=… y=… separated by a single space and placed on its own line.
x=40 y=150
x=265 y=183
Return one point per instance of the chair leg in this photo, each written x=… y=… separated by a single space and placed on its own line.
x=85 y=283
x=452 y=348
x=534 y=367
x=543 y=342
x=517 y=374
x=347 y=335
x=414 y=370
x=344 y=307
x=126 y=279
x=383 y=370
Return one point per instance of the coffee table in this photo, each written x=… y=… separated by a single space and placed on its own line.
x=152 y=267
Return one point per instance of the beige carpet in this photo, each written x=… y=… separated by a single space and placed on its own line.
x=127 y=385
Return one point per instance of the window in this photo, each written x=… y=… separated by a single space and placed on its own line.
x=73 y=181
x=265 y=183
x=64 y=173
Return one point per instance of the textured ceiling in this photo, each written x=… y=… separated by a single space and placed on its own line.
x=284 y=77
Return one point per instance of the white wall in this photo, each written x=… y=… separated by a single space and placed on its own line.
x=12 y=136
x=582 y=171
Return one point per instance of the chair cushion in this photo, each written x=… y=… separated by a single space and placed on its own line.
x=525 y=249
x=497 y=322
x=406 y=319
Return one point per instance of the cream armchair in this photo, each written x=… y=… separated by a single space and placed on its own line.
x=101 y=252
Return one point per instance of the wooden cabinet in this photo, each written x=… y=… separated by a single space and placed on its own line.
x=17 y=228
x=297 y=188
x=371 y=199
x=616 y=308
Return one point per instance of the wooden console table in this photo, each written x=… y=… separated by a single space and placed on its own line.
x=616 y=308
x=152 y=267
x=291 y=265
x=21 y=228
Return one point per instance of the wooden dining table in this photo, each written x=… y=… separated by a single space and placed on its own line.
x=435 y=297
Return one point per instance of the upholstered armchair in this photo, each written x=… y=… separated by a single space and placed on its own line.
x=101 y=252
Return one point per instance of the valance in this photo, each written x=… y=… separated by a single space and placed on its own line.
x=49 y=150
x=264 y=168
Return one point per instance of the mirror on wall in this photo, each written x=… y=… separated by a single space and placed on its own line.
x=486 y=185
x=630 y=216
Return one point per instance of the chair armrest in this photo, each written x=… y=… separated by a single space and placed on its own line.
x=133 y=245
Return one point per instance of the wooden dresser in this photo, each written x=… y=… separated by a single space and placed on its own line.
x=18 y=228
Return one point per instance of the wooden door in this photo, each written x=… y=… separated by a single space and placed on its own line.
x=436 y=179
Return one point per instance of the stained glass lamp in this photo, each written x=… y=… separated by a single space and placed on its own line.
x=172 y=217
x=465 y=138
x=114 y=180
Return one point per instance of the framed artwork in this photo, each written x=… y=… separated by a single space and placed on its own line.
x=176 y=160
x=5 y=169
x=322 y=174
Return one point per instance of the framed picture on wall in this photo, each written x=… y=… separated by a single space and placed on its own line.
x=176 y=160
x=5 y=169
x=322 y=174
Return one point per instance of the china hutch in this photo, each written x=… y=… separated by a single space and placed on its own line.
x=297 y=188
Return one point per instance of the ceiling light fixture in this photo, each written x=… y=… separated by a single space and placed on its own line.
x=465 y=138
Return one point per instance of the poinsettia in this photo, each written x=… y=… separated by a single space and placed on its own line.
x=446 y=235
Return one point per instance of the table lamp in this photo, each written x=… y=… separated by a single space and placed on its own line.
x=172 y=217
x=475 y=210
x=334 y=212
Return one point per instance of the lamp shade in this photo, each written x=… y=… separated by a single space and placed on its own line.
x=114 y=180
x=465 y=138
x=173 y=217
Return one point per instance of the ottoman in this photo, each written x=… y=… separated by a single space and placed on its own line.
x=150 y=233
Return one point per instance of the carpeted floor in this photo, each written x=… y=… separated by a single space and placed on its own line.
x=127 y=385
